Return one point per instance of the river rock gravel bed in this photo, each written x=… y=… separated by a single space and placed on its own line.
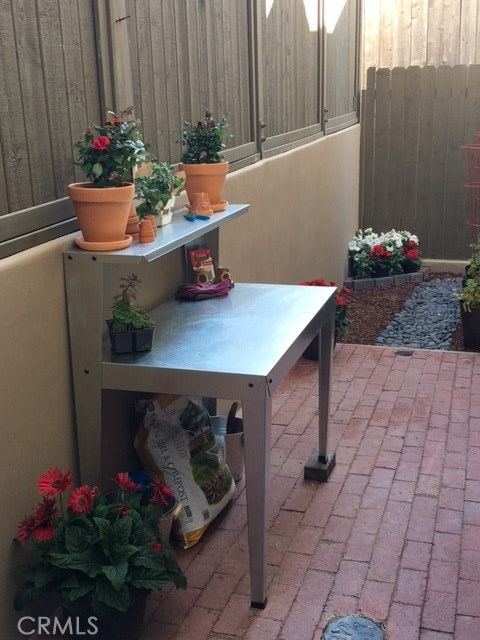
x=371 y=311
x=428 y=318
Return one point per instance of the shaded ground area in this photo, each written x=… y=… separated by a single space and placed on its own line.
x=371 y=310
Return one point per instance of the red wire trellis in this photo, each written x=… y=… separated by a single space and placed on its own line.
x=473 y=185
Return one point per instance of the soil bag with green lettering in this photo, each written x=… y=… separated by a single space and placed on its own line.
x=176 y=441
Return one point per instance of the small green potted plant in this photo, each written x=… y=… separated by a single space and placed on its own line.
x=130 y=327
x=203 y=160
x=155 y=193
x=100 y=555
x=107 y=156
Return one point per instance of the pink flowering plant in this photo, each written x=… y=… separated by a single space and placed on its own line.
x=108 y=153
x=97 y=553
x=204 y=140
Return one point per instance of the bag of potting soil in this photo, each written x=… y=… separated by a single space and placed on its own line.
x=176 y=441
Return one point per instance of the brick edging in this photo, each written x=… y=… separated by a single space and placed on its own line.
x=403 y=278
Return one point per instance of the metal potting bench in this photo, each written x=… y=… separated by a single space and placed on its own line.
x=237 y=347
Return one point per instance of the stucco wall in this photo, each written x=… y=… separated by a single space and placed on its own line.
x=303 y=211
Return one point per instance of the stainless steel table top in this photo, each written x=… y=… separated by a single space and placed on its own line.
x=244 y=333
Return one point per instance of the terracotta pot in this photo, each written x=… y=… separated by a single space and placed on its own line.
x=206 y=178
x=133 y=223
x=102 y=213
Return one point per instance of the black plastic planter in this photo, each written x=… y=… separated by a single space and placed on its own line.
x=131 y=341
x=121 y=342
x=471 y=328
x=142 y=339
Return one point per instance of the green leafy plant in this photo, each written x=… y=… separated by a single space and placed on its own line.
x=155 y=190
x=126 y=314
x=108 y=154
x=342 y=300
x=469 y=296
x=98 y=553
x=204 y=140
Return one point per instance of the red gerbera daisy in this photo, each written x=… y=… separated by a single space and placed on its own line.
x=125 y=483
x=44 y=532
x=54 y=481
x=25 y=529
x=156 y=546
x=46 y=510
x=162 y=494
x=81 y=500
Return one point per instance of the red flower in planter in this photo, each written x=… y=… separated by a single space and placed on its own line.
x=54 y=482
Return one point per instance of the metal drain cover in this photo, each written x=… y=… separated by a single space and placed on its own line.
x=353 y=628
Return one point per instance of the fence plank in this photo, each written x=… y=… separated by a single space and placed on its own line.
x=419 y=13
x=410 y=150
x=368 y=151
x=396 y=157
x=468 y=32
x=382 y=148
x=455 y=231
x=438 y=175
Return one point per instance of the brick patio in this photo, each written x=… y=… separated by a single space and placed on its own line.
x=394 y=534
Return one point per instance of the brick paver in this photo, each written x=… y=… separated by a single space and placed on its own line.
x=394 y=534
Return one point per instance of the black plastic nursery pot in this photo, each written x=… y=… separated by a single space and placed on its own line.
x=143 y=339
x=471 y=328
x=121 y=342
x=135 y=340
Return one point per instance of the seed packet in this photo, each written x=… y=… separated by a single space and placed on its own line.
x=202 y=265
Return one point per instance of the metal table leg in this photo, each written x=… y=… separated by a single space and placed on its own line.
x=320 y=464
x=257 y=414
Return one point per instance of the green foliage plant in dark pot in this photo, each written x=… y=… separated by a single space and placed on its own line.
x=469 y=298
x=99 y=555
x=130 y=327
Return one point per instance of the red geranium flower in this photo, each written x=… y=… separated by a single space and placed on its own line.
x=81 y=500
x=125 y=483
x=54 y=481
x=101 y=143
x=412 y=254
x=412 y=244
x=156 y=546
x=341 y=301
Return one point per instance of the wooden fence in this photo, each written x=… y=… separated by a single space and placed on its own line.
x=401 y=33
x=414 y=122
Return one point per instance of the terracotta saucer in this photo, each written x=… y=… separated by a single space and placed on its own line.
x=103 y=246
x=220 y=206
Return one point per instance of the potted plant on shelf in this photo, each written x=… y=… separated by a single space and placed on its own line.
x=202 y=159
x=107 y=156
x=469 y=298
x=130 y=327
x=99 y=555
x=341 y=318
x=155 y=192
